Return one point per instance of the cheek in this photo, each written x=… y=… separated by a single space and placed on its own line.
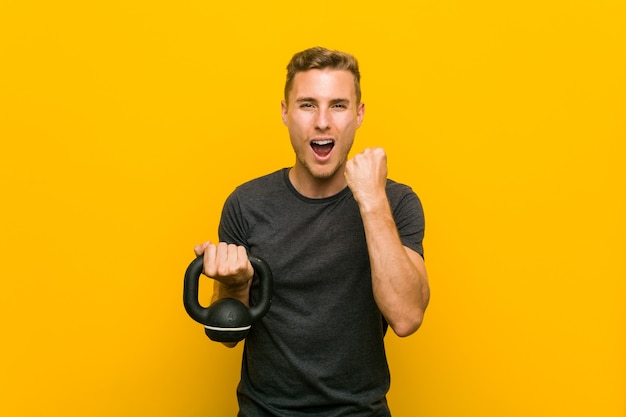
x=347 y=125
x=298 y=123
x=297 y=130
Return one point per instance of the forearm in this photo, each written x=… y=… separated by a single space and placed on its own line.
x=399 y=278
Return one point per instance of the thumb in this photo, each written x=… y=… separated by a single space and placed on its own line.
x=201 y=247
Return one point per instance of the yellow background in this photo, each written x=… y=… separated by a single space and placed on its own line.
x=125 y=124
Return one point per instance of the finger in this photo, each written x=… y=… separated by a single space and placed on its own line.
x=238 y=259
x=221 y=259
x=243 y=255
x=233 y=259
x=381 y=154
x=200 y=247
x=210 y=266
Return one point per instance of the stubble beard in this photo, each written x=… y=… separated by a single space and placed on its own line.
x=321 y=173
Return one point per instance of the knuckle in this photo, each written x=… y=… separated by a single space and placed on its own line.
x=209 y=271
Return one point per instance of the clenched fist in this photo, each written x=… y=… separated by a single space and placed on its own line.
x=225 y=263
x=366 y=174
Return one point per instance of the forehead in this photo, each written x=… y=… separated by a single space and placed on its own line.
x=323 y=84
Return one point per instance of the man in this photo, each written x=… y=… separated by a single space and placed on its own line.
x=345 y=247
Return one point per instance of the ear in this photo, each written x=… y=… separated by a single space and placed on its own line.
x=360 y=113
x=284 y=110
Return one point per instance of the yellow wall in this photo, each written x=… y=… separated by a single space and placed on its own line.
x=125 y=124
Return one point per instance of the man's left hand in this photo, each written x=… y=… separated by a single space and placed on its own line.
x=366 y=174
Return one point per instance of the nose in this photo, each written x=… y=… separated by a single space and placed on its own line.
x=322 y=120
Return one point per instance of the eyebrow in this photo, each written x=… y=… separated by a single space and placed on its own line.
x=313 y=100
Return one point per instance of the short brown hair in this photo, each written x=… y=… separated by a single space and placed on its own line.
x=320 y=58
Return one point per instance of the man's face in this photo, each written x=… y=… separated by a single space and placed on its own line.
x=322 y=117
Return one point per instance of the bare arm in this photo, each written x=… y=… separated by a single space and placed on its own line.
x=399 y=278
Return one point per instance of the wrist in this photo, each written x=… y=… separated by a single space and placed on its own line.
x=374 y=203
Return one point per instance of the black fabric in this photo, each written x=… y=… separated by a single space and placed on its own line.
x=319 y=351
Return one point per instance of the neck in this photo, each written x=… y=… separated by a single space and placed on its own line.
x=313 y=187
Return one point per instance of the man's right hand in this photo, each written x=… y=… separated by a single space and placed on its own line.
x=231 y=269
x=228 y=264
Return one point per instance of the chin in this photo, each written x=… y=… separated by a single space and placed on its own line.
x=325 y=174
x=319 y=171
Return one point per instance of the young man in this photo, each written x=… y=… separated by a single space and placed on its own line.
x=345 y=247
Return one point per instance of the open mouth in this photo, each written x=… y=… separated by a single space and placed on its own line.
x=322 y=148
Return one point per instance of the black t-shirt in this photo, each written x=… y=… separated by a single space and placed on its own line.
x=319 y=351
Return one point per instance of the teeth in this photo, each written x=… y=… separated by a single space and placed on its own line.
x=322 y=142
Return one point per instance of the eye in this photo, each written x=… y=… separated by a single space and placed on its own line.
x=306 y=105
